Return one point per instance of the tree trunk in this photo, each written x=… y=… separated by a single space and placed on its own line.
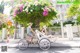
x=37 y=23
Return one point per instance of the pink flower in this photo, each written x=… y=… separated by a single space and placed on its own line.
x=20 y=0
x=21 y=8
x=16 y=12
x=12 y=1
x=14 y=15
x=45 y=12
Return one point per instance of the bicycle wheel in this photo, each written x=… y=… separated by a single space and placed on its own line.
x=22 y=44
x=44 y=44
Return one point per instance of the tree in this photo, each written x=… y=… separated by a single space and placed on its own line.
x=3 y=20
x=74 y=10
x=36 y=13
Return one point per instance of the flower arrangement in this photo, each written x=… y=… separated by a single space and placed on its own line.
x=36 y=13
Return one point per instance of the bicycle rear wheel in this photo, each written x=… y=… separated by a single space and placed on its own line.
x=22 y=44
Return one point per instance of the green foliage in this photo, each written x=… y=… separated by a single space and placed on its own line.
x=4 y=25
x=56 y=24
x=78 y=19
x=21 y=18
x=0 y=32
x=74 y=10
x=11 y=30
x=43 y=24
x=68 y=22
x=77 y=2
x=35 y=15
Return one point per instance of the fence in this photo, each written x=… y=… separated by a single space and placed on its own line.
x=54 y=31
x=75 y=31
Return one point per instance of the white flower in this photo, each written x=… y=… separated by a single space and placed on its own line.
x=28 y=6
x=23 y=10
x=42 y=8
x=49 y=9
x=26 y=9
x=31 y=10
x=36 y=3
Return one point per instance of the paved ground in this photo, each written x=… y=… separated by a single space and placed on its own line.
x=57 y=43
x=38 y=50
x=62 y=46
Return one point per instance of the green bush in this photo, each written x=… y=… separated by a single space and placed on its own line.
x=34 y=14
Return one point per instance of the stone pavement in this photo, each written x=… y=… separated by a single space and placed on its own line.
x=58 y=43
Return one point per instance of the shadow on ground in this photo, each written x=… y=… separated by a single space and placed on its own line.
x=53 y=49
